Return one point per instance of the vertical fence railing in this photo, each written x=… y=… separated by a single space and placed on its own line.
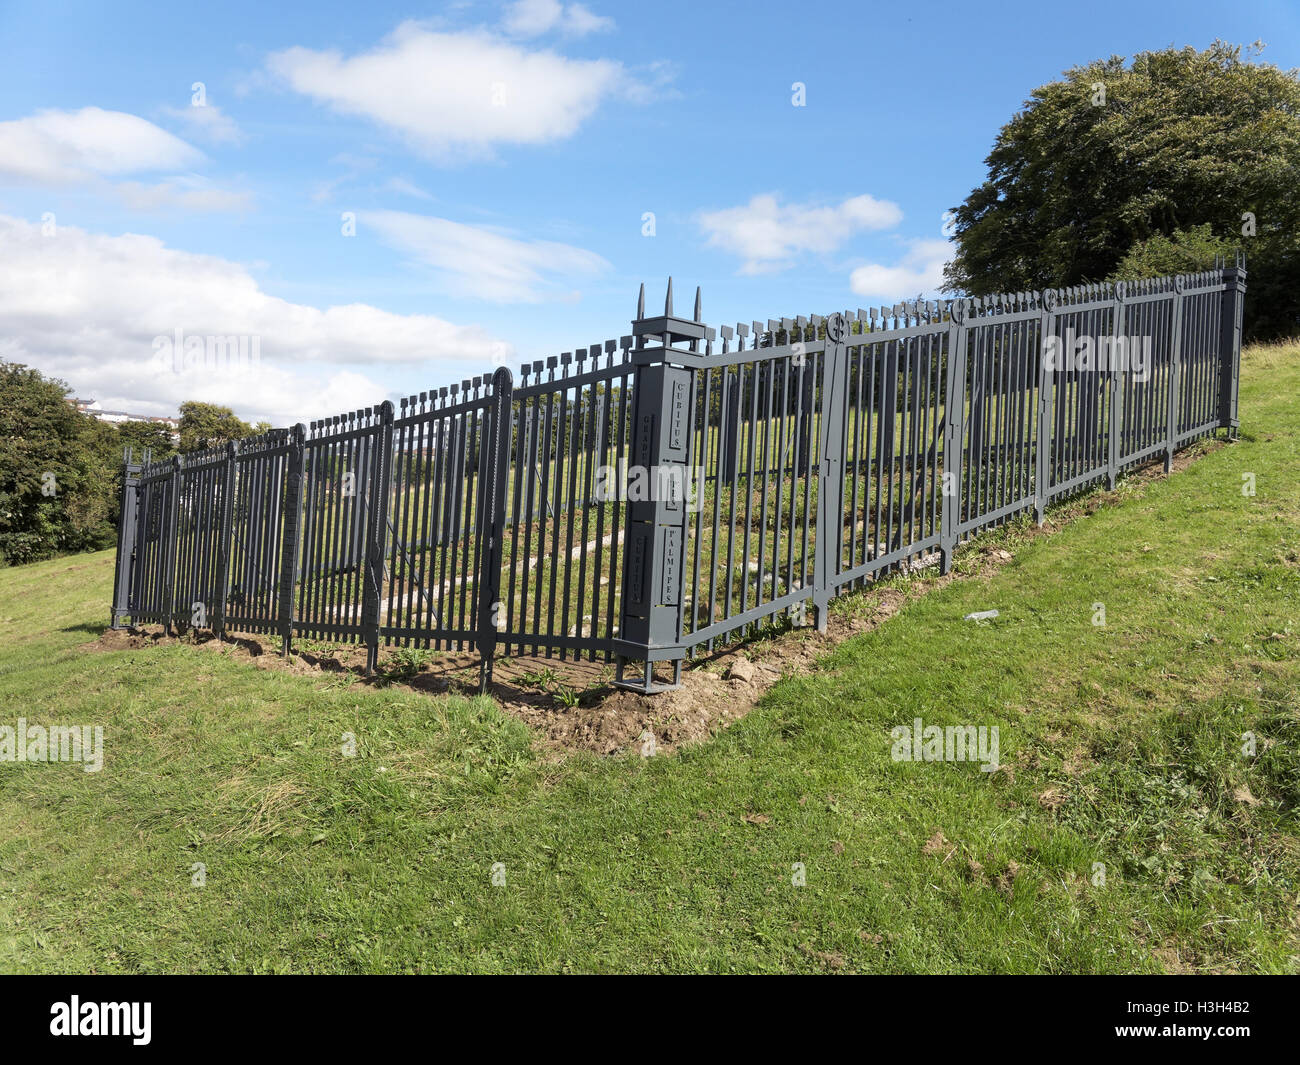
x=656 y=497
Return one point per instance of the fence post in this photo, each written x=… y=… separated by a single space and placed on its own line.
x=126 y=527
x=493 y=534
x=1114 y=413
x=830 y=476
x=291 y=543
x=169 y=542
x=1175 y=372
x=224 y=535
x=663 y=405
x=376 y=534
x=1046 y=407
x=954 y=431
x=1234 y=296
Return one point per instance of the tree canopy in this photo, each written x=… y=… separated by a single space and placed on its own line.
x=1122 y=170
x=58 y=470
x=205 y=425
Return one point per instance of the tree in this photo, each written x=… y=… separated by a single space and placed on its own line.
x=58 y=477
x=1170 y=159
x=154 y=437
x=205 y=425
x=1184 y=251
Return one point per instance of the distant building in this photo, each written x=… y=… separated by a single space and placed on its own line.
x=92 y=408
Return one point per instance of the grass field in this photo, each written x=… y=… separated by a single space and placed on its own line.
x=1121 y=745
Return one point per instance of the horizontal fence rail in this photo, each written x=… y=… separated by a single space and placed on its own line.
x=661 y=495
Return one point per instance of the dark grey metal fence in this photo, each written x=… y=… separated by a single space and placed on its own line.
x=646 y=499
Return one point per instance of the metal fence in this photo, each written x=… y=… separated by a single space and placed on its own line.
x=646 y=499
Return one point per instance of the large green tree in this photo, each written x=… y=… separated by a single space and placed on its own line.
x=1117 y=170
x=205 y=425
x=154 y=437
x=58 y=470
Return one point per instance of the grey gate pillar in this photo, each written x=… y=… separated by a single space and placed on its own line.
x=1234 y=297
x=651 y=618
x=126 y=528
x=1044 y=460
x=954 y=431
x=830 y=471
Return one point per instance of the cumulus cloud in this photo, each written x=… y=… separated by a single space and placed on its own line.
x=483 y=263
x=919 y=271
x=67 y=147
x=768 y=235
x=455 y=94
x=90 y=309
x=529 y=18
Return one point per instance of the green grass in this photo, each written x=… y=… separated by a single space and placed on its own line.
x=1122 y=745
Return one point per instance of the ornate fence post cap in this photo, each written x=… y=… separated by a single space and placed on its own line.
x=676 y=330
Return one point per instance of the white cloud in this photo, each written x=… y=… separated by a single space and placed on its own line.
x=87 y=308
x=482 y=263
x=64 y=147
x=920 y=271
x=185 y=193
x=403 y=187
x=456 y=94
x=768 y=234
x=529 y=18
x=210 y=123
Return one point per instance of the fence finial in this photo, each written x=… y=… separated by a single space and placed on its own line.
x=699 y=305
x=640 y=303
x=668 y=300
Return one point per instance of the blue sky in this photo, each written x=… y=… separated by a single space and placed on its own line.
x=499 y=160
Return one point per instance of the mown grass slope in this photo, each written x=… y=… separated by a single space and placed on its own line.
x=1122 y=745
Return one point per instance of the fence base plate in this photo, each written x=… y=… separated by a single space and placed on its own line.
x=646 y=683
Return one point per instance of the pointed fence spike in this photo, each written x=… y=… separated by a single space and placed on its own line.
x=640 y=302
x=668 y=300
x=699 y=305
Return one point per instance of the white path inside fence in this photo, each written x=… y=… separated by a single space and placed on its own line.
x=414 y=599
x=423 y=604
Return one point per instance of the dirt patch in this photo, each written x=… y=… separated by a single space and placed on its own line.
x=936 y=844
x=128 y=639
x=572 y=705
